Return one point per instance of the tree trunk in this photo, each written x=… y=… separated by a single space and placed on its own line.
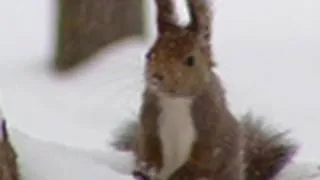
x=85 y=26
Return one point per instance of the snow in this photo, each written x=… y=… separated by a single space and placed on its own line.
x=41 y=160
x=61 y=124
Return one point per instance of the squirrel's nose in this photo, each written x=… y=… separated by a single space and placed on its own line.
x=157 y=77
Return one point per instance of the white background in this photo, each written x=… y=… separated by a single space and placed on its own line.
x=267 y=51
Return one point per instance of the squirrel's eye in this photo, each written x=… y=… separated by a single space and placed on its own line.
x=190 y=61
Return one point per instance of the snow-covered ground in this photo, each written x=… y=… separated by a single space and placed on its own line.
x=41 y=160
x=267 y=53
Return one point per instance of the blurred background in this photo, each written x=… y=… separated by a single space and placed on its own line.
x=70 y=70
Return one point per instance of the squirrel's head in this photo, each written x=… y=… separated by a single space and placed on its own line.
x=179 y=62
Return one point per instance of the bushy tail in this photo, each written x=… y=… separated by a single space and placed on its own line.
x=125 y=138
x=267 y=151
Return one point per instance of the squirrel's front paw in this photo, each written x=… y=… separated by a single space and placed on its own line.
x=138 y=175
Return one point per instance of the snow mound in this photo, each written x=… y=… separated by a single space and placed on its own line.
x=42 y=160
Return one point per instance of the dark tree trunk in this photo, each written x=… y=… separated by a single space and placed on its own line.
x=85 y=26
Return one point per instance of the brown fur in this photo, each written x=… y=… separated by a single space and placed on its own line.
x=217 y=129
x=8 y=156
x=218 y=132
x=168 y=59
x=267 y=151
x=201 y=22
x=165 y=15
x=223 y=145
x=217 y=151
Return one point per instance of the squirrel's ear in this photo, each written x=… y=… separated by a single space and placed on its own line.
x=200 y=22
x=166 y=20
x=200 y=17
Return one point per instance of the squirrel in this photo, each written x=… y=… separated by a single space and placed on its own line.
x=8 y=155
x=185 y=128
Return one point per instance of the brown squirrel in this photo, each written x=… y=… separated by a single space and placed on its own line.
x=185 y=129
x=8 y=156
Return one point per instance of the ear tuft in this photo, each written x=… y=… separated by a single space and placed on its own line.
x=201 y=21
x=166 y=20
x=200 y=16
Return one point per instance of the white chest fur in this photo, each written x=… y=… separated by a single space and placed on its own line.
x=177 y=133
